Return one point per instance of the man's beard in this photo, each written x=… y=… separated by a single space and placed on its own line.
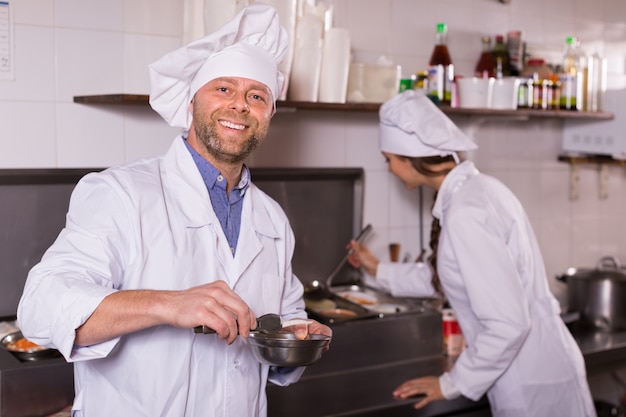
x=217 y=146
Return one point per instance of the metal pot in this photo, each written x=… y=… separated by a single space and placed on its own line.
x=598 y=294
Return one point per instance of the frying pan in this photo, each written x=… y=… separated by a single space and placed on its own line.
x=32 y=355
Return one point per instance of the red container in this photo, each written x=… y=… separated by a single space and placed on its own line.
x=453 y=341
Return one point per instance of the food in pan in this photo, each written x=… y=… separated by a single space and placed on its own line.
x=23 y=345
x=359 y=297
x=338 y=313
x=24 y=349
x=317 y=305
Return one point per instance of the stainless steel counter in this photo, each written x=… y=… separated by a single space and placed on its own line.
x=366 y=361
x=603 y=351
x=358 y=375
x=367 y=392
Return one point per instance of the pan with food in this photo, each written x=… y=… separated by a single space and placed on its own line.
x=25 y=350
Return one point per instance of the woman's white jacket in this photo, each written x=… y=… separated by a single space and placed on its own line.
x=519 y=351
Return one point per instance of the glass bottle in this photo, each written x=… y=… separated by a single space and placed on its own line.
x=596 y=82
x=501 y=57
x=485 y=67
x=573 y=78
x=515 y=44
x=440 y=69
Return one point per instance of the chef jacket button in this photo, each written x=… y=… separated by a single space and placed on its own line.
x=236 y=365
x=220 y=178
x=232 y=250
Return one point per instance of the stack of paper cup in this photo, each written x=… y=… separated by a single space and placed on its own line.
x=287 y=13
x=335 y=66
x=307 y=60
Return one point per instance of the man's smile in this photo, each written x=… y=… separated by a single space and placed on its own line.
x=232 y=125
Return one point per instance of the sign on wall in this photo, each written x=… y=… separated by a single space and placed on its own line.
x=7 y=61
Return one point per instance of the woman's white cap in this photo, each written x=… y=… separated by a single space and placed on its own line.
x=412 y=125
x=251 y=45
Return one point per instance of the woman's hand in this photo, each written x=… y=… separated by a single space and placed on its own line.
x=362 y=257
x=427 y=386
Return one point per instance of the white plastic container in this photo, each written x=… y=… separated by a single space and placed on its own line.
x=504 y=94
x=373 y=83
x=475 y=92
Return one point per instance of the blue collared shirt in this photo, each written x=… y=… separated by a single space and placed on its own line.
x=227 y=210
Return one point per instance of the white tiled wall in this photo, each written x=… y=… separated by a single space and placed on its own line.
x=65 y=48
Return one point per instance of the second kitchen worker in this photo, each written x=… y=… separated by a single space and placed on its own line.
x=486 y=261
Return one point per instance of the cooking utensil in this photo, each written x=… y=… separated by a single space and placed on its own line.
x=598 y=294
x=285 y=349
x=360 y=238
x=265 y=323
x=317 y=290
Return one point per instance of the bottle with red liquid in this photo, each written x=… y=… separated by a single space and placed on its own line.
x=440 y=69
x=486 y=66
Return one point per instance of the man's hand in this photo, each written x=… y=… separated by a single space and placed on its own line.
x=214 y=305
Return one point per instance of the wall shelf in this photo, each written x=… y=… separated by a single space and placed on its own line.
x=141 y=99
x=592 y=159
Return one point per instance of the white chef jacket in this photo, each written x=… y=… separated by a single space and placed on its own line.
x=150 y=225
x=519 y=350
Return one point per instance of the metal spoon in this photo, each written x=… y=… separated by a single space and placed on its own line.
x=317 y=289
x=360 y=238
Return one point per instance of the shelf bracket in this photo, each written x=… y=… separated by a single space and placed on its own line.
x=574 y=182
x=603 y=173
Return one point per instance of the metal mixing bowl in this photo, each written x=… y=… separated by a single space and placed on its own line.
x=284 y=349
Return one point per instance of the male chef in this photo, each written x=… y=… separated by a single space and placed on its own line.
x=156 y=247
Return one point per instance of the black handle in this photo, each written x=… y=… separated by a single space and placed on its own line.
x=203 y=329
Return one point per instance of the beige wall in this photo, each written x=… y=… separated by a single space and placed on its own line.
x=78 y=47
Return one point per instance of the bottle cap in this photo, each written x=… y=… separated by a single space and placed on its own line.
x=572 y=40
x=442 y=28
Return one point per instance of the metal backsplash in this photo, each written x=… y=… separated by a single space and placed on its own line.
x=323 y=205
x=325 y=208
x=33 y=205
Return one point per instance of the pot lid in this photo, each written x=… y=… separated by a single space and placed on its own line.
x=597 y=274
x=608 y=267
